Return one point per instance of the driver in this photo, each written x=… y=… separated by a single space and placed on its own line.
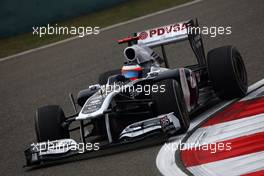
x=132 y=71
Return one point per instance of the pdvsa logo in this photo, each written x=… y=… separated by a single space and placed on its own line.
x=162 y=31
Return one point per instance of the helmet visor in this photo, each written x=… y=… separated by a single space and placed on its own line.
x=130 y=73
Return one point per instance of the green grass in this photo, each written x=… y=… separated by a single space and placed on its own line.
x=122 y=12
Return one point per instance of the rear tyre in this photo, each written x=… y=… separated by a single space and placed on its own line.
x=172 y=100
x=103 y=78
x=227 y=72
x=48 y=123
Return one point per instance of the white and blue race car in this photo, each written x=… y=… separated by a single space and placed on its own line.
x=144 y=98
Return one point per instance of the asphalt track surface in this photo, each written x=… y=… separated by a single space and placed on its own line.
x=47 y=76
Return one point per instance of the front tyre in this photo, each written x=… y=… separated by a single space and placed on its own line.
x=48 y=123
x=172 y=100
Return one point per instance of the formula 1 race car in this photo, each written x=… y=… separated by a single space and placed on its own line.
x=143 y=98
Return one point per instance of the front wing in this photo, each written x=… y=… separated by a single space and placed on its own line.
x=45 y=152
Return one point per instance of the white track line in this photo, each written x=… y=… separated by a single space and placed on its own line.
x=165 y=160
x=101 y=30
x=228 y=130
x=236 y=166
x=253 y=94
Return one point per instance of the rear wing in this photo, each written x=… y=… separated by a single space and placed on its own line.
x=172 y=33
